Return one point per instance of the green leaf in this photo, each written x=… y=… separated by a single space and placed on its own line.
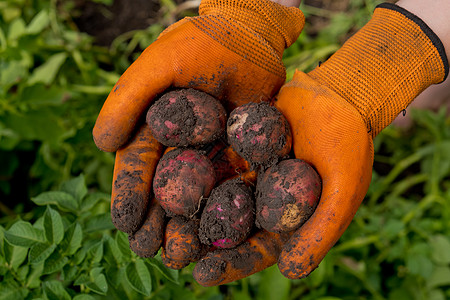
x=112 y=254
x=16 y=29
x=12 y=72
x=436 y=295
x=170 y=274
x=42 y=124
x=123 y=244
x=273 y=285
x=139 y=278
x=441 y=249
x=33 y=280
x=54 y=290
x=55 y=263
x=75 y=187
x=439 y=277
x=62 y=200
x=24 y=234
x=92 y=199
x=73 y=238
x=39 y=22
x=46 y=72
x=419 y=264
x=98 y=223
x=98 y=282
x=40 y=252
x=11 y=290
x=15 y=255
x=69 y=273
x=83 y=297
x=95 y=252
x=39 y=95
x=53 y=226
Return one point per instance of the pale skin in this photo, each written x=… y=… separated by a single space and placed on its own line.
x=435 y=15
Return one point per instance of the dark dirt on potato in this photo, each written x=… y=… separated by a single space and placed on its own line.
x=220 y=217
x=266 y=152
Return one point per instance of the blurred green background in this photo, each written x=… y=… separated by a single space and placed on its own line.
x=58 y=62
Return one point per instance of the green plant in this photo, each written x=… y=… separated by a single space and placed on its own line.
x=69 y=249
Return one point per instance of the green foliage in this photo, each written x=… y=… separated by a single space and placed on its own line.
x=73 y=252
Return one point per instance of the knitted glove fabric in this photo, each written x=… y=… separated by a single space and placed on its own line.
x=231 y=51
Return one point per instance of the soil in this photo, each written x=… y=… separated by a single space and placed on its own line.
x=228 y=216
x=259 y=133
x=105 y=22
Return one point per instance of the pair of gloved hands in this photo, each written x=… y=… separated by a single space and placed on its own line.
x=233 y=51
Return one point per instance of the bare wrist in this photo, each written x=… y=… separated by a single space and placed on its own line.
x=288 y=3
x=434 y=14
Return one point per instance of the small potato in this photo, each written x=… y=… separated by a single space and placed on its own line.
x=287 y=195
x=186 y=117
x=182 y=179
x=259 y=133
x=228 y=216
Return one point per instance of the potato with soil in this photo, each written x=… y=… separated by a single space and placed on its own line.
x=287 y=195
x=186 y=117
x=259 y=133
x=182 y=179
x=228 y=216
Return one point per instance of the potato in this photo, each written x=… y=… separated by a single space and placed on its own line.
x=259 y=133
x=287 y=195
x=228 y=216
x=182 y=179
x=186 y=117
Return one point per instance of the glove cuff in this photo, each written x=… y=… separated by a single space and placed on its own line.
x=279 y=25
x=385 y=65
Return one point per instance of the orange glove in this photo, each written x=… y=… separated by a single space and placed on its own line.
x=335 y=111
x=232 y=51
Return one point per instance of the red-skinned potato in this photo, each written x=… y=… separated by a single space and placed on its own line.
x=186 y=117
x=183 y=178
x=228 y=216
x=287 y=195
x=259 y=133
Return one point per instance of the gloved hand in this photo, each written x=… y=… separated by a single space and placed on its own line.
x=335 y=111
x=231 y=51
